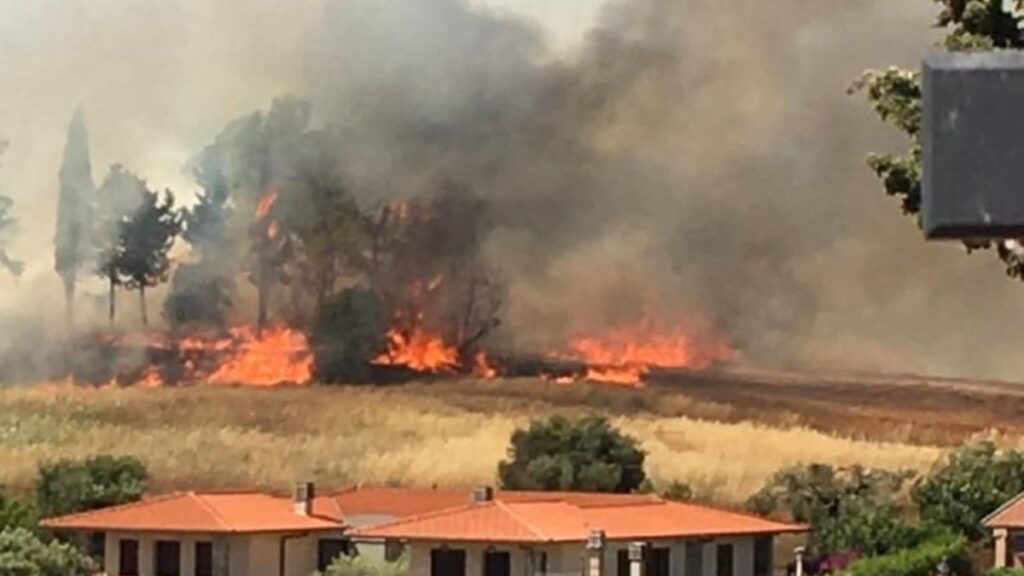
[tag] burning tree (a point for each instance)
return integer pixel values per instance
(74, 210)
(146, 238)
(7, 224)
(426, 268)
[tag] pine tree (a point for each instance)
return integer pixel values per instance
(117, 198)
(146, 238)
(74, 210)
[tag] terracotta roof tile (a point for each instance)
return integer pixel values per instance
(572, 519)
(1009, 515)
(217, 512)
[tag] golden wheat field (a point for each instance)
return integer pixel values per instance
(449, 433)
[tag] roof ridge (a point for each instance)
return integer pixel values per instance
(213, 512)
(519, 518)
(426, 515)
(115, 507)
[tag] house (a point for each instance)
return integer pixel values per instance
(250, 533)
(591, 534)
(1007, 525)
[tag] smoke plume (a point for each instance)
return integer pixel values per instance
(693, 163)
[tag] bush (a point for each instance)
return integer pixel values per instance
(68, 486)
(815, 493)
(350, 330)
(22, 554)
(678, 492)
(361, 566)
(967, 485)
(921, 560)
(16, 512)
(562, 454)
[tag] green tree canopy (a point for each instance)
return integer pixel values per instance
(116, 199)
(67, 486)
(16, 512)
(967, 485)
(146, 238)
(561, 454)
(895, 94)
(349, 332)
(23, 554)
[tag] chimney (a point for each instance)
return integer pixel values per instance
(482, 494)
(302, 498)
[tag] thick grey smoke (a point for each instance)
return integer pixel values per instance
(696, 162)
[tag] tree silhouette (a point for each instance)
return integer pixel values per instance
(74, 210)
(7, 225)
(116, 200)
(146, 238)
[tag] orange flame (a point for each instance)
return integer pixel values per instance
(483, 367)
(266, 203)
(625, 356)
(279, 356)
(418, 350)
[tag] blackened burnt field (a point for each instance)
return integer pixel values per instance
(723, 433)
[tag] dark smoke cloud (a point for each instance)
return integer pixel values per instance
(696, 161)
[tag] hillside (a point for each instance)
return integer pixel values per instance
(721, 433)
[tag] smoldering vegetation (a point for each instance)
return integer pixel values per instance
(695, 165)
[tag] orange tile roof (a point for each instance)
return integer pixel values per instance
(572, 519)
(217, 512)
(1009, 515)
(402, 502)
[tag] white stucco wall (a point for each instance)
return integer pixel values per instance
(248, 555)
(567, 558)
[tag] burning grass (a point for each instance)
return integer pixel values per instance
(230, 437)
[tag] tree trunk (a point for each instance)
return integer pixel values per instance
(110, 311)
(69, 301)
(142, 305)
(263, 293)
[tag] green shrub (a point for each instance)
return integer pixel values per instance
(561, 454)
(361, 566)
(350, 331)
(16, 512)
(920, 560)
(68, 486)
(677, 491)
(967, 485)
(23, 554)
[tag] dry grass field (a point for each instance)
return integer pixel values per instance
(723, 435)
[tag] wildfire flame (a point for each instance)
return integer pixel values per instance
(278, 356)
(419, 350)
(266, 204)
(625, 356)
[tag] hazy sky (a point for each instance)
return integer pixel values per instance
(565, 20)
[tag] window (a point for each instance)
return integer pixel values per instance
(622, 563)
(724, 561)
(128, 558)
(97, 548)
(447, 562)
(167, 556)
(763, 556)
(497, 564)
(657, 561)
(329, 549)
(204, 559)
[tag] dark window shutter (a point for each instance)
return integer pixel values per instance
(204, 559)
(128, 558)
(329, 549)
(168, 558)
